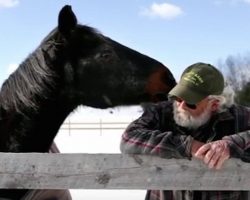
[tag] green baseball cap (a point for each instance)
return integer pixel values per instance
(197, 82)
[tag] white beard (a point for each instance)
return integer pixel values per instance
(185, 119)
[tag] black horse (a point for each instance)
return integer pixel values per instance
(74, 65)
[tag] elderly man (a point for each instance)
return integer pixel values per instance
(200, 121)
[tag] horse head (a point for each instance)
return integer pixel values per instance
(105, 73)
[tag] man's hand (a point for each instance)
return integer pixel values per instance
(214, 154)
(195, 146)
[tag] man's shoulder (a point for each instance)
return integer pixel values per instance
(239, 109)
(235, 111)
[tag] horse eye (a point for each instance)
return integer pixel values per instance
(104, 55)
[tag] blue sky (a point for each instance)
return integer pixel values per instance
(177, 33)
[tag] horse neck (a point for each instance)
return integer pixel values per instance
(30, 124)
(34, 130)
(47, 122)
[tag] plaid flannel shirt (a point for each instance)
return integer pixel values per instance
(156, 133)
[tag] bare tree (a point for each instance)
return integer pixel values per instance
(236, 70)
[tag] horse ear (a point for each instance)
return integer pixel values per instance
(67, 20)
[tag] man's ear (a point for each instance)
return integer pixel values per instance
(215, 105)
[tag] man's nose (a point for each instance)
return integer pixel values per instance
(182, 105)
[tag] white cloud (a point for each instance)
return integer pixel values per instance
(163, 10)
(8, 3)
(11, 67)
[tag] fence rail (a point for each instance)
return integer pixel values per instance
(117, 171)
(94, 125)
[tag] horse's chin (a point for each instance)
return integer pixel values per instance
(161, 96)
(153, 97)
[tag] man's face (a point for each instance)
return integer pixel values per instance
(190, 117)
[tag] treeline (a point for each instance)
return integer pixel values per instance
(236, 70)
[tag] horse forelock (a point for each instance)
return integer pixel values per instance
(32, 79)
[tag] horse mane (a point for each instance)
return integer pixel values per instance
(31, 79)
(34, 77)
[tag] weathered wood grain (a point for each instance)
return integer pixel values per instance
(117, 171)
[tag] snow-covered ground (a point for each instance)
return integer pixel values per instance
(98, 141)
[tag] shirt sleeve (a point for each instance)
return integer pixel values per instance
(239, 142)
(239, 145)
(143, 136)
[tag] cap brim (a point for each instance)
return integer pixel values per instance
(187, 94)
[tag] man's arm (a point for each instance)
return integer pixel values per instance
(237, 145)
(143, 136)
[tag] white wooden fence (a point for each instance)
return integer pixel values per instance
(98, 125)
(94, 126)
(117, 171)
